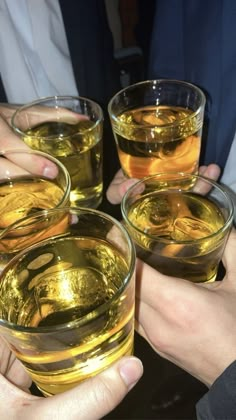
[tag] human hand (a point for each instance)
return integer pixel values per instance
(17, 164)
(38, 114)
(192, 325)
(93, 399)
(8, 139)
(120, 183)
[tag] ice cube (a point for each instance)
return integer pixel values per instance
(187, 228)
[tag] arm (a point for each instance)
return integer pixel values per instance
(220, 401)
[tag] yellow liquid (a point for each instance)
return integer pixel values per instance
(25, 196)
(22, 197)
(59, 283)
(146, 145)
(79, 148)
(176, 218)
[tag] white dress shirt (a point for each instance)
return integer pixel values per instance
(34, 54)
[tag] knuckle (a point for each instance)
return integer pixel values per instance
(105, 394)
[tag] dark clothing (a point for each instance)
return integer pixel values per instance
(96, 72)
(194, 40)
(91, 48)
(220, 401)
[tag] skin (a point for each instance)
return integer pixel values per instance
(178, 318)
(19, 164)
(120, 184)
(94, 398)
(192, 325)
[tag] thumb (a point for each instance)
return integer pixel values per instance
(118, 187)
(211, 171)
(96, 397)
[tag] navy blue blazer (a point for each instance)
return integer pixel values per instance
(195, 40)
(219, 402)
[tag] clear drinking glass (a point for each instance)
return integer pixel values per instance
(25, 189)
(67, 303)
(179, 223)
(157, 125)
(69, 128)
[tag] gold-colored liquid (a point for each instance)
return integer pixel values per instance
(58, 284)
(176, 218)
(79, 148)
(156, 139)
(25, 196)
(22, 197)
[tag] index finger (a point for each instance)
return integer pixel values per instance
(24, 162)
(27, 117)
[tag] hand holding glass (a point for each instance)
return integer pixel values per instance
(67, 303)
(69, 128)
(157, 125)
(179, 223)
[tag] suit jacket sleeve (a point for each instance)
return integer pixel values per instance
(220, 401)
(91, 48)
(193, 41)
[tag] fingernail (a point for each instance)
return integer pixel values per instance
(50, 171)
(131, 370)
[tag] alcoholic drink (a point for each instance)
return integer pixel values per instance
(178, 233)
(154, 139)
(62, 285)
(79, 148)
(25, 196)
(21, 197)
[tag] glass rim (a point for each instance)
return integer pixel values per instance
(220, 188)
(43, 100)
(97, 311)
(114, 118)
(66, 193)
